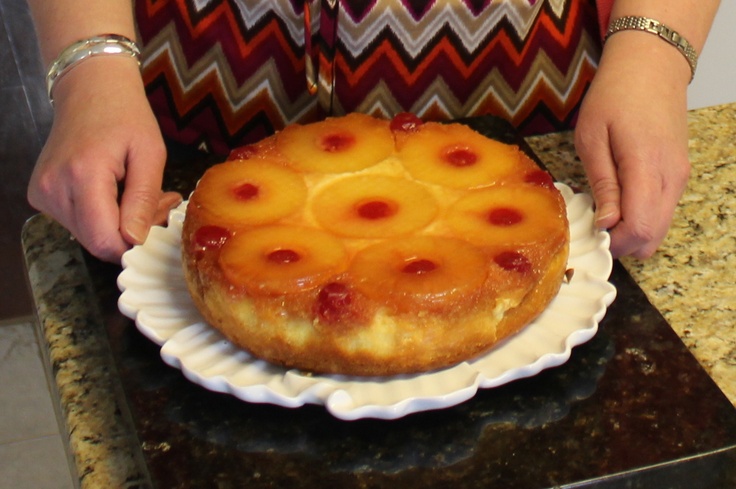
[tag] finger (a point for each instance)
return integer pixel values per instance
(168, 201)
(607, 196)
(96, 218)
(664, 202)
(87, 210)
(645, 211)
(603, 179)
(141, 197)
(624, 243)
(627, 240)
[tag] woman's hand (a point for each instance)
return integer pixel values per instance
(104, 137)
(633, 141)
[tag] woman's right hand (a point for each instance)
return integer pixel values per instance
(104, 138)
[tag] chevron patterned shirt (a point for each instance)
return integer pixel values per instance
(221, 74)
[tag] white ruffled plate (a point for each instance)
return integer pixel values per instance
(154, 294)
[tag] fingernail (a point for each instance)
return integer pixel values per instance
(137, 229)
(602, 217)
(604, 212)
(174, 200)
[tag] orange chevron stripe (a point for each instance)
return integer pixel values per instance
(186, 102)
(154, 7)
(545, 21)
(223, 10)
(196, 31)
(543, 93)
(445, 47)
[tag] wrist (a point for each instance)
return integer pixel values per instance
(108, 77)
(633, 55)
(651, 26)
(103, 45)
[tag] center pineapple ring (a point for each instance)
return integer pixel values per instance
(374, 206)
(362, 246)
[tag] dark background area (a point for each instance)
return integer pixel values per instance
(25, 119)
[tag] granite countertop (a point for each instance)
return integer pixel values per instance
(88, 343)
(691, 279)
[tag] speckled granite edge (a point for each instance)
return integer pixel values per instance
(101, 438)
(691, 279)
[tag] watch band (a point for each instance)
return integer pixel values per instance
(655, 27)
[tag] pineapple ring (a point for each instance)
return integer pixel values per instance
(281, 259)
(452, 156)
(508, 215)
(351, 143)
(374, 206)
(254, 192)
(419, 272)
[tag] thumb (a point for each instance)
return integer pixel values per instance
(607, 196)
(602, 174)
(140, 199)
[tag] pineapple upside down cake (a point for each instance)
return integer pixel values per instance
(370, 247)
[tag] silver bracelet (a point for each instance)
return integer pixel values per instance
(104, 44)
(655, 27)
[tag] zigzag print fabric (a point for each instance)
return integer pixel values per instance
(221, 73)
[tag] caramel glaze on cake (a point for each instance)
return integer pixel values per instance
(369, 247)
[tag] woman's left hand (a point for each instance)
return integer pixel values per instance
(632, 138)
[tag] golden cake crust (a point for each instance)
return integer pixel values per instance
(431, 245)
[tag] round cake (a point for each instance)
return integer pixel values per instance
(369, 247)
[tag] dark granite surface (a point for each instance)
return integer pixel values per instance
(631, 409)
